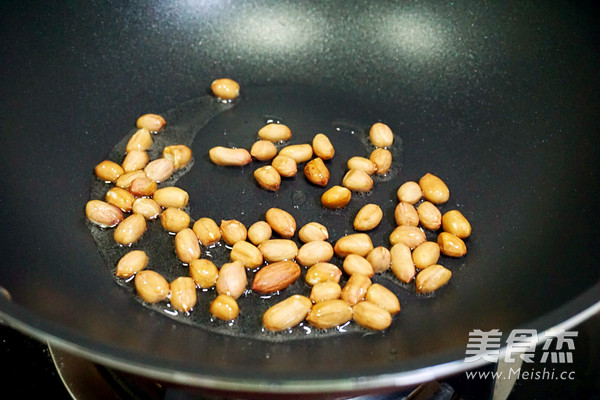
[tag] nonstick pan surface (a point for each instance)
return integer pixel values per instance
(499, 100)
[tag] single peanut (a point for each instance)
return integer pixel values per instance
(322, 147)
(281, 222)
(204, 273)
(426, 254)
(152, 122)
(278, 249)
(268, 178)
(314, 252)
(368, 217)
(179, 154)
(135, 160)
(402, 262)
(187, 246)
(383, 297)
(183, 294)
(207, 231)
(363, 164)
(432, 278)
(259, 232)
(323, 272)
(313, 231)
(371, 316)
(327, 290)
(316, 172)
(225, 308)
(229, 157)
(130, 263)
(355, 289)
(174, 220)
(275, 277)
(285, 165)
(409, 192)
(406, 214)
(130, 229)
(124, 180)
(355, 243)
(140, 140)
(232, 279)
(143, 187)
(225, 89)
(159, 170)
(233, 231)
(336, 197)
(275, 132)
(151, 286)
(380, 258)
(381, 135)
(454, 222)
(358, 181)
(299, 152)
(355, 264)
(146, 207)
(329, 313)
(171, 196)
(121, 198)
(263, 150)
(411, 236)
(451, 245)
(382, 158)
(287, 313)
(247, 253)
(429, 216)
(434, 189)
(108, 171)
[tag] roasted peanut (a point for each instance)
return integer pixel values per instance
(247, 253)
(299, 152)
(207, 231)
(121, 198)
(174, 220)
(108, 171)
(371, 316)
(225, 308)
(229, 157)
(143, 186)
(124, 181)
(263, 150)
(316, 172)
(179, 154)
(355, 243)
(275, 277)
(259, 232)
(183, 294)
(204, 273)
(285, 165)
(135, 160)
(406, 214)
(146, 207)
(451, 245)
(159, 170)
(358, 181)
(336, 197)
(187, 246)
(434, 189)
(426, 254)
(323, 272)
(432, 278)
(327, 290)
(140, 140)
(368, 217)
(363, 164)
(287, 313)
(313, 231)
(429, 216)
(278, 249)
(171, 196)
(275, 132)
(268, 178)
(454, 222)
(355, 289)
(381, 135)
(329, 313)
(130, 263)
(152, 122)
(151, 286)
(233, 231)
(383, 297)
(322, 147)
(382, 158)
(411, 236)
(130, 230)
(232, 279)
(380, 258)
(402, 262)
(281, 222)
(355, 264)
(314, 252)
(409, 192)
(225, 89)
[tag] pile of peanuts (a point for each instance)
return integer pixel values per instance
(266, 248)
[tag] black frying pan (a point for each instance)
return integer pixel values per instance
(499, 100)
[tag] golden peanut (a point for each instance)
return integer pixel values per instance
(323, 291)
(329, 313)
(151, 286)
(371, 316)
(451, 245)
(159, 170)
(263, 150)
(298, 152)
(281, 222)
(429, 216)
(314, 252)
(121, 198)
(275, 277)
(275, 132)
(406, 214)
(130, 263)
(207, 231)
(358, 181)
(355, 243)
(336, 197)
(259, 232)
(434, 189)
(322, 147)
(130, 229)
(323, 272)
(140, 140)
(229, 157)
(146, 207)
(409, 192)
(124, 181)
(382, 158)
(179, 154)
(411, 236)
(225, 308)
(316, 172)
(232, 279)
(268, 178)
(355, 264)
(368, 217)
(363, 164)
(171, 196)
(380, 258)
(287, 313)
(278, 249)
(143, 187)
(426, 254)
(432, 278)
(313, 231)
(183, 294)
(233, 231)
(383, 297)
(381, 135)
(285, 165)
(135, 160)
(454, 222)
(402, 262)
(247, 253)
(187, 246)
(225, 89)
(204, 273)
(174, 220)
(108, 171)
(152, 122)
(355, 289)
